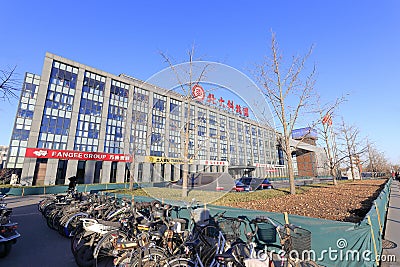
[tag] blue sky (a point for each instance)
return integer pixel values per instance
(357, 45)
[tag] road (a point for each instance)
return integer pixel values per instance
(38, 245)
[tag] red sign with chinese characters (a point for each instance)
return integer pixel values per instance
(74, 155)
(199, 95)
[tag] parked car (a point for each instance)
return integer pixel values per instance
(265, 184)
(246, 184)
(241, 187)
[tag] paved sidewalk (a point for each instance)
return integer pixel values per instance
(392, 232)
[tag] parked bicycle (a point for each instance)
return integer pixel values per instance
(106, 231)
(8, 229)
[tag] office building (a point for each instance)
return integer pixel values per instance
(75, 120)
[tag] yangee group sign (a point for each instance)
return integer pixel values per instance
(74, 155)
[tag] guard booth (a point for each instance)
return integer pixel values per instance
(241, 171)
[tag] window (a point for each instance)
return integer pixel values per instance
(212, 118)
(213, 132)
(158, 122)
(159, 102)
(174, 142)
(97, 171)
(162, 171)
(80, 172)
(155, 138)
(140, 171)
(118, 104)
(172, 177)
(63, 75)
(89, 119)
(57, 112)
(151, 172)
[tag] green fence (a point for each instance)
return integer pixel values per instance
(56, 189)
(333, 243)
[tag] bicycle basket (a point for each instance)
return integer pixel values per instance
(230, 228)
(296, 239)
(266, 233)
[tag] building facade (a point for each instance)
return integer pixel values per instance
(3, 156)
(75, 120)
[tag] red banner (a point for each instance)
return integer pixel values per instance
(74, 155)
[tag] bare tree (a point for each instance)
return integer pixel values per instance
(328, 136)
(186, 85)
(376, 162)
(137, 118)
(289, 91)
(5, 175)
(353, 146)
(8, 84)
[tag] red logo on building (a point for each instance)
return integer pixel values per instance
(198, 93)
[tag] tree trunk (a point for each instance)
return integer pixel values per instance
(331, 163)
(352, 168)
(334, 175)
(186, 157)
(291, 176)
(132, 173)
(290, 167)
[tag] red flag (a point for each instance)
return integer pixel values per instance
(326, 119)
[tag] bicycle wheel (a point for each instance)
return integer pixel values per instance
(84, 256)
(70, 227)
(240, 251)
(180, 262)
(123, 260)
(44, 203)
(78, 240)
(104, 249)
(62, 222)
(50, 218)
(150, 257)
(209, 235)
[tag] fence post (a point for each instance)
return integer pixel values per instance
(373, 240)
(379, 218)
(285, 214)
(23, 192)
(44, 190)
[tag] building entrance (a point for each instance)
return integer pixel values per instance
(40, 172)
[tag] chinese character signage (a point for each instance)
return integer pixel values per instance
(154, 159)
(74, 155)
(213, 162)
(199, 94)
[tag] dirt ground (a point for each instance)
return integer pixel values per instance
(347, 202)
